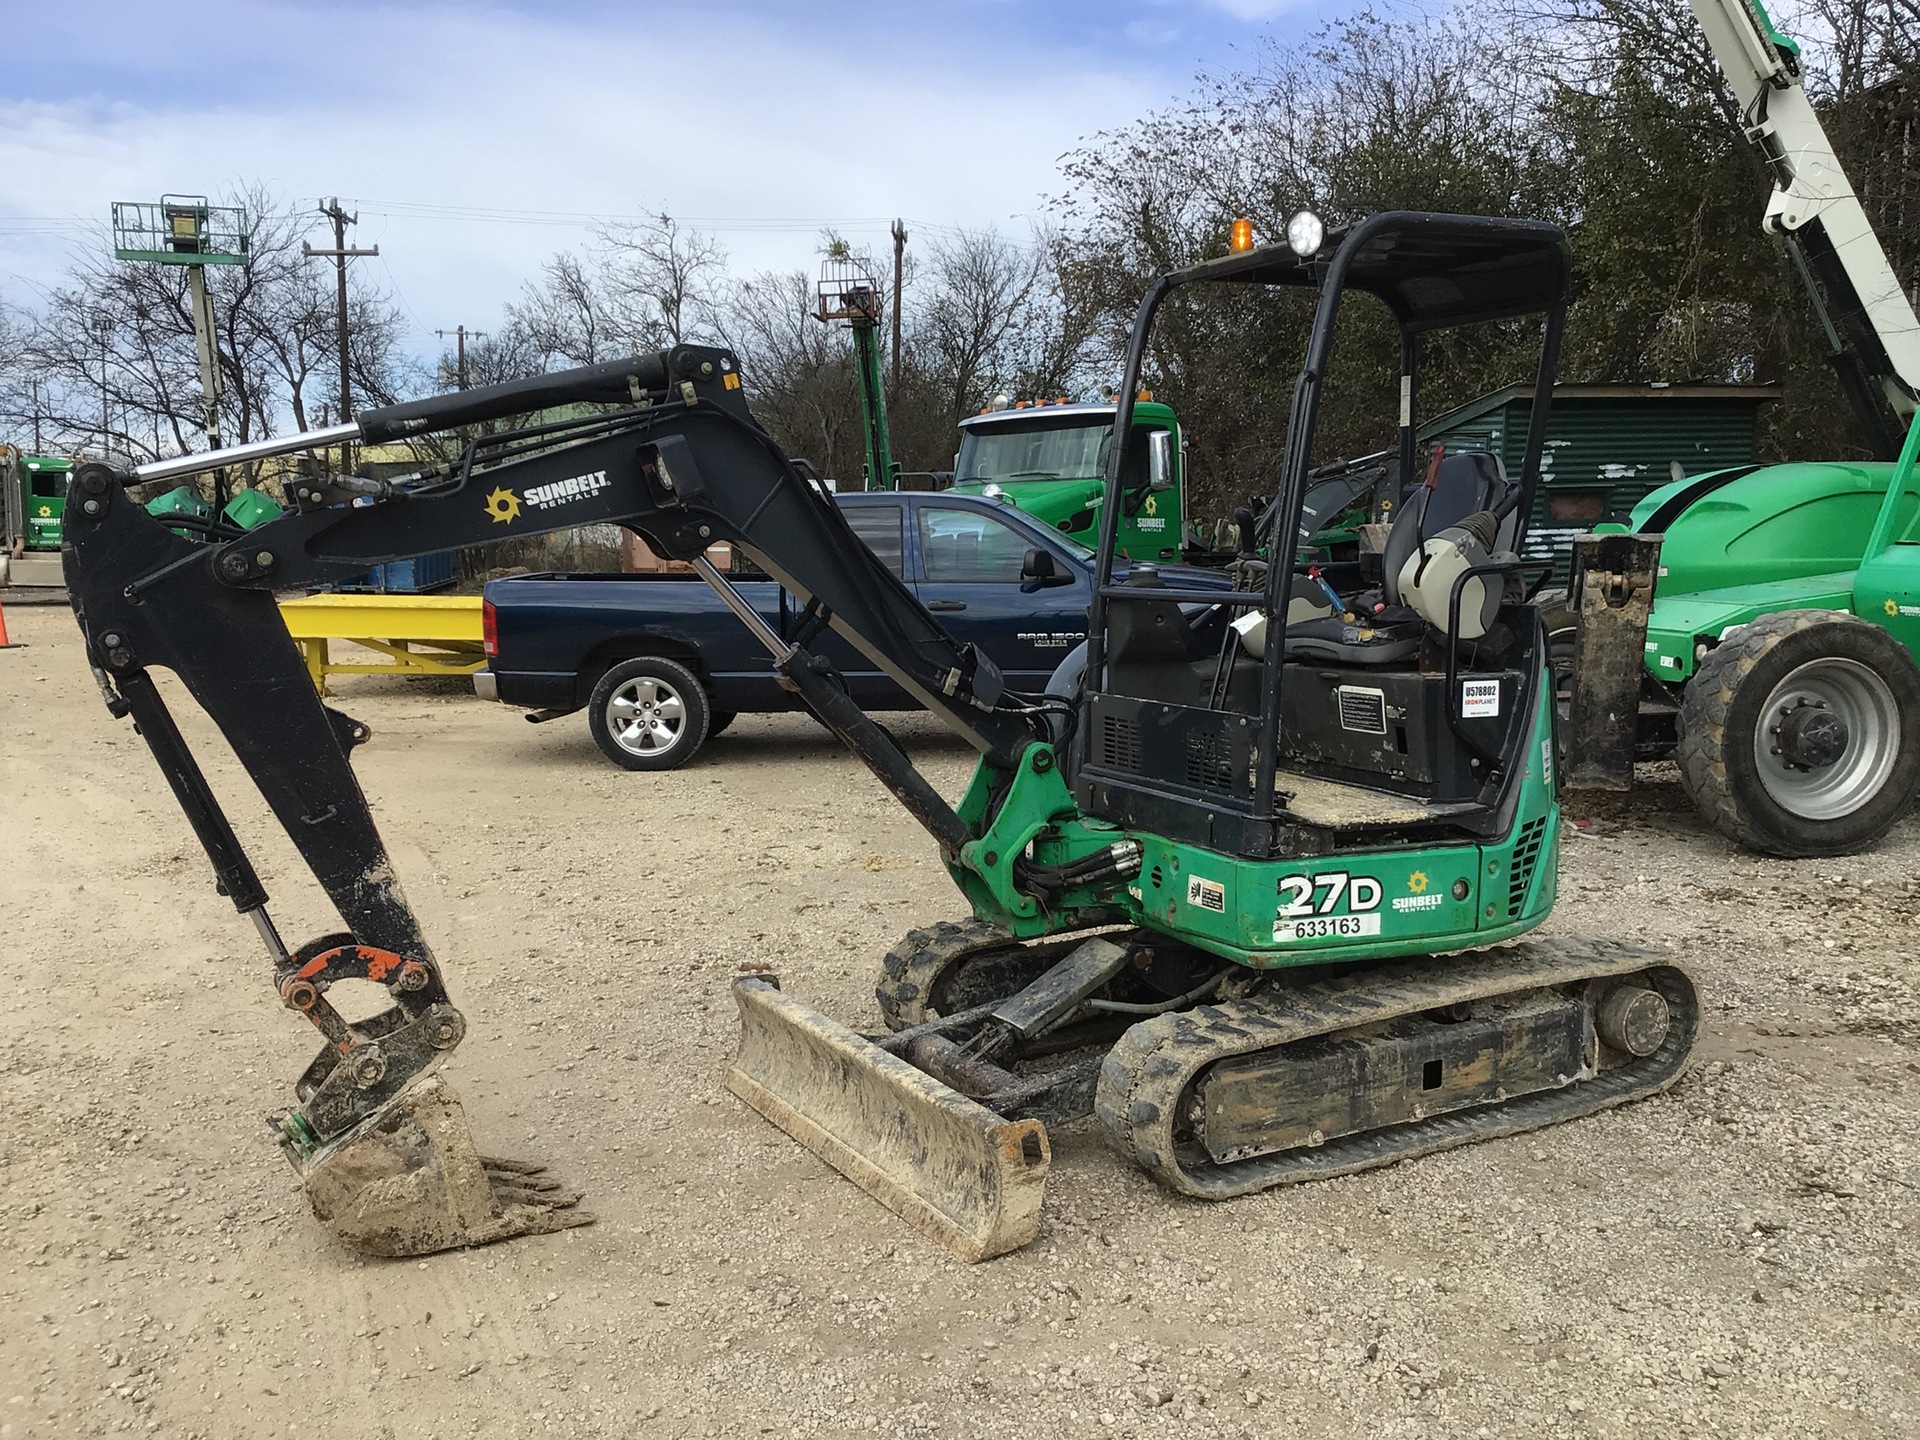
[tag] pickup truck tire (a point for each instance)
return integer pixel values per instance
(1800, 734)
(649, 714)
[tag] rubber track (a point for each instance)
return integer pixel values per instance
(911, 968)
(1146, 1077)
(1702, 751)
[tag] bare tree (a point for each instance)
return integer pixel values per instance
(564, 318)
(984, 292)
(663, 279)
(639, 287)
(800, 373)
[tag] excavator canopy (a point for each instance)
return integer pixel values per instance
(1431, 271)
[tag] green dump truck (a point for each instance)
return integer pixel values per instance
(1050, 460)
(33, 497)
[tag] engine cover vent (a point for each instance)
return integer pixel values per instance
(1209, 762)
(1120, 744)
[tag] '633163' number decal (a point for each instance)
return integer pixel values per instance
(1330, 905)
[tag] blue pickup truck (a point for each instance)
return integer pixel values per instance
(660, 665)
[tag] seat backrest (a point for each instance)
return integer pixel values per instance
(1149, 647)
(1468, 481)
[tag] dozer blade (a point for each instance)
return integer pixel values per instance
(408, 1180)
(946, 1165)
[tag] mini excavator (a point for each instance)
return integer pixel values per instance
(1247, 890)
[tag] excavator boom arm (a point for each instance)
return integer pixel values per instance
(679, 461)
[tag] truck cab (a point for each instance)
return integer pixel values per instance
(44, 496)
(1050, 460)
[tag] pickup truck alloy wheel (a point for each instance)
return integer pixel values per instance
(1800, 734)
(649, 714)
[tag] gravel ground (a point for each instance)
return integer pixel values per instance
(1735, 1258)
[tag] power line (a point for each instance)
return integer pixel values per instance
(422, 210)
(30, 225)
(43, 225)
(719, 224)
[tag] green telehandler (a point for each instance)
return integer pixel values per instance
(1760, 625)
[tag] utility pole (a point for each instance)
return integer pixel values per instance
(460, 334)
(103, 332)
(207, 349)
(340, 254)
(899, 268)
(36, 416)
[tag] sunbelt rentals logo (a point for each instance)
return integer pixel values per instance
(560, 492)
(504, 506)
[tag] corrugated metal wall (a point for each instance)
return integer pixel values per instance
(1605, 453)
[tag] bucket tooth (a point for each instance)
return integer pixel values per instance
(409, 1180)
(945, 1164)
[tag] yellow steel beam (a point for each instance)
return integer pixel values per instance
(411, 617)
(448, 625)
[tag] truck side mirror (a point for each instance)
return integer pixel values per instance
(1039, 570)
(1160, 460)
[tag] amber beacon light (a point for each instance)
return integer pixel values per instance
(1240, 237)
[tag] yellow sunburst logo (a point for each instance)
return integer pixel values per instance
(1417, 882)
(1892, 608)
(1152, 507)
(503, 505)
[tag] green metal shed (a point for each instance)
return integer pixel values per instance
(1607, 446)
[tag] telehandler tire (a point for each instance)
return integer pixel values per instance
(1800, 734)
(649, 714)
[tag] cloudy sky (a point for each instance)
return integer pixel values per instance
(475, 139)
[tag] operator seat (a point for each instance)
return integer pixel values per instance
(1467, 481)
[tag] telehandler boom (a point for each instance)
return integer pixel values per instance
(1221, 875)
(1863, 311)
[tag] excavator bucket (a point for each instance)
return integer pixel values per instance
(409, 1180)
(948, 1166)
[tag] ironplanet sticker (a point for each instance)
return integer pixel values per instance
(560, 492)
(1479, 699)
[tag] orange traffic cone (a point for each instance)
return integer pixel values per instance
(6, 644)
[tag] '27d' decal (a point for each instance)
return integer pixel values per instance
(1308, 906)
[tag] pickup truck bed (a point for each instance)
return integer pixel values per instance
(660, 664)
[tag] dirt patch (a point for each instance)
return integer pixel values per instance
(1735, 1258)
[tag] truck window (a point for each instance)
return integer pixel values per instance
(970, 545)
(1071, 451)
(879, 529)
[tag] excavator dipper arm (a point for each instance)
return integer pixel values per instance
(681, 462)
